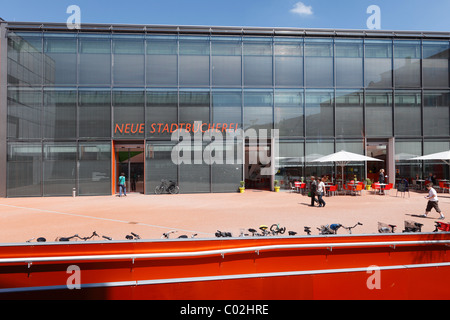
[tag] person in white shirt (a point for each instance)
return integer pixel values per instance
(433, 201)
(321, 192)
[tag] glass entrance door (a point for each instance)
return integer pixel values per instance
(376, 150)
(130, 161)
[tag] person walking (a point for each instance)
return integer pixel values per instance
(433, 202)
(313, 190)
(321, 192)
(122, 185)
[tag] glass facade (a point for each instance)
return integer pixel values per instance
(72, 95)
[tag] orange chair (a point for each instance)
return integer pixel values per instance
(376, 187)
(388, 187)
(443, 186)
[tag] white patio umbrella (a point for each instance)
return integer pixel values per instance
(342, 158)
(443, 156)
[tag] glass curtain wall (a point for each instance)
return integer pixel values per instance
(322, 94)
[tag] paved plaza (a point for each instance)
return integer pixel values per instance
(150, 216)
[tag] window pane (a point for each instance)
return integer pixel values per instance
(61, 60)
(319, 63)
(194, 106)
(349, 63)
(290, 163)
(378, 63)
(379, 114)
(319, 111)
(94, 168)
(258, 110)
(226, 63)
(436, 113)
(408, 105)
(60, 114)
(194, 61)
(226, 176)
(436, 64)
(195, 177)
(59, 168)
(315, 150)
(162, 61)
(349, 113)
(227, 108)
(128, 114)
(257, 63)
(24, 169)
(94, 113)
(25, 66)
(404, 150)
(407, 64)
(95, 54)
(288, 63)
(159, 165)
(24, 114)
(289, 113)
(128, 61)
(161, 113)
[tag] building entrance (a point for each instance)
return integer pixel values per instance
(129, 159)
(258, 160)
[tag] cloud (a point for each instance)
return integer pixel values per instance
(301, 9)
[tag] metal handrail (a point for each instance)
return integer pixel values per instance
(221, 252)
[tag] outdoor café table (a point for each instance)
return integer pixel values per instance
(382, 185)
(421, 183)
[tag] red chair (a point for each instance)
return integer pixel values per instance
(333, 190)
(375, 187)
(388, 187)
(302, 187)
(443, 186)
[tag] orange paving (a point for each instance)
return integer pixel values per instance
(150, 215)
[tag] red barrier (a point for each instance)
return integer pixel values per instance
(388, 266)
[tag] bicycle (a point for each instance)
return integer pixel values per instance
(329, 228)
(412, 226)
(441, 226)
(132, 236)
(40, 239)
(276, 230)
(349, 229)
(76, 236)
(223, 234)
(168, 186)
(386, 228)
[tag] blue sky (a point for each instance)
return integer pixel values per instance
(395, 14)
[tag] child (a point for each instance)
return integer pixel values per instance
(432, 201)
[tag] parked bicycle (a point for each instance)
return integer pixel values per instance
(412, 226)
(132, 236)
(349, 229)
(167, 186)
(386, 228)
(329, 228)
(441, 226)
(76, 236)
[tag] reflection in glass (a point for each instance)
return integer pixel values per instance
(288, 57)
(378, 113)
(436, 56)
(162, 61)
(24, 165)
(349, 113)
(319, 110)
(60, 114)
(378, 63)
(128, 113)
(407, 56)
(128, 67)
(194, 61)
(258, 62)
(349, 63)
(59, 168)
(159, 165)
(161, 110)
(288, 113)
(94, 169)
(436, 113)
(94, 113)
(61, 59)
(319, 63)
(24, 113)
(226, 61)
(258, 110)
(94, 54)
(408, 106)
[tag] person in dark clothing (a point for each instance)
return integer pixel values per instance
(313, 189)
